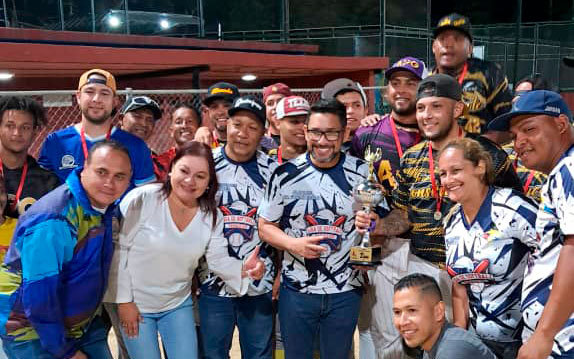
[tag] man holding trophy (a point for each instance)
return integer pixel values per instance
(307, 211)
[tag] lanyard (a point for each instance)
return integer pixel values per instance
(279, 156)
(20, 185)
(83, 137)
(529, 179)
(435, 191)
(463, 74)
(396, 137)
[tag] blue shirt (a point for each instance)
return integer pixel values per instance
(62, 152)
(56, 270)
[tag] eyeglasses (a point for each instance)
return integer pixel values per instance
(315, 135)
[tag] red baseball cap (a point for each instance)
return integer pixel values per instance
(278, 88)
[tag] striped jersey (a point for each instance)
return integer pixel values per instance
(309, 201)
(531, 180)
(415, 196)
(381, 136)
(241, 188)
(56, 270)
(555, 221)
(485, 93)
(489, 257)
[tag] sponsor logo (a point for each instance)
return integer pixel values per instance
(68, 162)
(552, 109)
(218, 90)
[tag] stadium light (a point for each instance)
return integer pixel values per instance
(114, 21)
(164, 24)
(5, 76)
(248, 77)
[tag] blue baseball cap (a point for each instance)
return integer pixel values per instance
(538, 102)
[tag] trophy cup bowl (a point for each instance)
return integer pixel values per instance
(368, 194)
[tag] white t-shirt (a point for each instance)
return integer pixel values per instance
(309, 201)
(555, 221)
(154, 261)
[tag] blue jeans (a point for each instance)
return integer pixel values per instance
(253, 316)
(176, 328)
(94, 343)
(333, 315)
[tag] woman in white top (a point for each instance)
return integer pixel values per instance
(165, 230)
(489, 237)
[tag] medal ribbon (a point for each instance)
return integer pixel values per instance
(83, 137)
(279, 155)
(20, 185)
(435, 190)
(463, 74)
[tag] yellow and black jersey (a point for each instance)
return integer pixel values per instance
(532, 181)
(414, 194)
(486, 94)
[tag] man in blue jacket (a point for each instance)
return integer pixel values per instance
(56, 269)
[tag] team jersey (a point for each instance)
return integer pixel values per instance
(489, 256)
(486, 94)
(6, 233)
(56, 270)
(37, 183)
(414, 195)
(308, 201)
(62, 152)
(381, 136)
(532, 181)
(241, 188)
(555, 221)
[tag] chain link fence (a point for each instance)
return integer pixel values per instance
(62, 110)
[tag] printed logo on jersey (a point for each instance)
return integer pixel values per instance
(475, 273)
(238, 225)
(325, 224)
(67, 162)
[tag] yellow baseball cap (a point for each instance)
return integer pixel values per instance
(108, 80)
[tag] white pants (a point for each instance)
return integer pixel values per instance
(398, 262)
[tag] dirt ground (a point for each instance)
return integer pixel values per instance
(235, 351)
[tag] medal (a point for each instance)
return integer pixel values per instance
(437, 216)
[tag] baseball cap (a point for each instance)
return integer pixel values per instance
(537, 102)
(251, 104)
(342, 85)
(278, 88)
(439, 85)
(292, 106)
(411, 64)
(454, 21)
(221, 90)
(135, 103)
(87, 78)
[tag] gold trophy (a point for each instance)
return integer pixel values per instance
(369, 194)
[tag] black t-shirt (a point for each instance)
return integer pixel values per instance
(38, 182)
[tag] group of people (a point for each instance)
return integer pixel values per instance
(253, 206)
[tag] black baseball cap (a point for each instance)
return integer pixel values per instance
(250, 104)
(439, 85)
(221, 90)
(454, 21)
(138, 102)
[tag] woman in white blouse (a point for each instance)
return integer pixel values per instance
(166, 228)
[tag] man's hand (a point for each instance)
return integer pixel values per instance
(370, 120)
(363, 221)
(537, 346)
(254, 267)
(307, 247)
(203, 135)
(129, 318)
(79, 355)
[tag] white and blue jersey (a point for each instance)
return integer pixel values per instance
(489, 256)
(62, 152)
(555, 221)
(305, 200)
(241, 189)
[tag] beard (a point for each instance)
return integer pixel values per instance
(409, 110)
(442, 133)
(97, 120)
(323, 160)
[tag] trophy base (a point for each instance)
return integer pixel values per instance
(365, 256)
